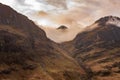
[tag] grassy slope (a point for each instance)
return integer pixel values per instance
(98, 49)
(48, 63)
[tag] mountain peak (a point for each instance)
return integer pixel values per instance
(109, 20)
(6, 10)
(62, 27)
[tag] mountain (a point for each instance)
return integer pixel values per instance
(27, 54)
(62, 33)
(98, 46)
(62, 27)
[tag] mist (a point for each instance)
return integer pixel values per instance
(51, 14)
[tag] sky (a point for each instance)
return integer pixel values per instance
(72, 13)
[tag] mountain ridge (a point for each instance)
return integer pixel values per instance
(27, 54)
(98, 48)
(105, 19)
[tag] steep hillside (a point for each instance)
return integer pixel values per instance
(99, 48)
(27, 54)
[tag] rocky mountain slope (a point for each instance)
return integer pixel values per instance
(27, 54)
(98, 46)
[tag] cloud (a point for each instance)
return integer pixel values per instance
(82, 11)
(94, 9)
(71, 13)
(57, 3)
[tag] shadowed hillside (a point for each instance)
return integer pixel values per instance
(27, 54)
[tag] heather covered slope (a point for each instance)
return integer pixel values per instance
(99, 48)
(27, 54)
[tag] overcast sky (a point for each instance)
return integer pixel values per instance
(75, 14)
(56, 12)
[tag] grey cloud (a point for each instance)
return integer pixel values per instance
(56, 3)
(21, 1)
(94, 9)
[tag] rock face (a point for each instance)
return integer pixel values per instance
(27, 54)
(99, 48)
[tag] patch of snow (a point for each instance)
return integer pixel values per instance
(114, 21)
